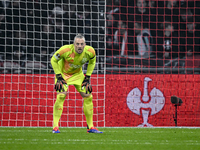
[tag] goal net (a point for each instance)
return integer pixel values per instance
(30, 32)
(152, 53)
(153, 36)
(148, 51)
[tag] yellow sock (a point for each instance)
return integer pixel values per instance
(58, 109)
(88, 110)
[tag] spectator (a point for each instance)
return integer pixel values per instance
(16, 13)
(33, 16)
(119, 6)
(61, 33)
(56, 19)
(1, 6)
(87, 16)
(45, 6)
(4, 3)
(172, 7)
(112, 21)
(48, 42)
(169, 11)
(154, 15)
(153, 6)
(120, 40)
(192, 38)
(138, 13)
(168, 43)
(70, 20)
(142, 41)
(65, 20)
(185, 15)
(193, 6)
(70, 9)
(56, 13)
(87, 25)
(2, 33)
(193, 46)
(159, 10)
(16, 52)
(142, 12)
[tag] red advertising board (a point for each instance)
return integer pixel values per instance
(130, 101)
(145, 100)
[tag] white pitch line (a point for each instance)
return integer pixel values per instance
(100, 143)
(193, 130)
(93, 141)
(154, 127)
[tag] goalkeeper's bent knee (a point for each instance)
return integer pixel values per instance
(61, 96)
(88, 99)
(59, 101)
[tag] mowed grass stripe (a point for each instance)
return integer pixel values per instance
(83, 141)
(112, 138)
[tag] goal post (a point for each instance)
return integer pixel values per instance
(31, 31)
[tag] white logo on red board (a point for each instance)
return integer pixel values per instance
(146, 104)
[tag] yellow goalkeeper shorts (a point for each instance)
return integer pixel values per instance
(77, 84)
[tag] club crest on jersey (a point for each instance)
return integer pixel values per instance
(75, 66)
(57, 56)
(143, 104)
(84, 60)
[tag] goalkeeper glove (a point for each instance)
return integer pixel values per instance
(86, 83)
(59, 84)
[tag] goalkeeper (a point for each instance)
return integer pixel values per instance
(67, 64)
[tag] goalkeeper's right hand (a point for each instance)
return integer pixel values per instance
(59, 84)
(86, 83)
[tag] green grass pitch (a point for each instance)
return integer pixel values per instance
(22, 138)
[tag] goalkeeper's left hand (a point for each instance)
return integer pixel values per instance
(86, 83)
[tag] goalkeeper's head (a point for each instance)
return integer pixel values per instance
(79, 43)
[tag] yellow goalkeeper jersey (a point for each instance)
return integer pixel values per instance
(68, 62)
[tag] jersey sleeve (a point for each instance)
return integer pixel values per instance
(59, 55)
(92, 61)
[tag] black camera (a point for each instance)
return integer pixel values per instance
(176, 100)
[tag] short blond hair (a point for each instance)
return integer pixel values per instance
(79, 36)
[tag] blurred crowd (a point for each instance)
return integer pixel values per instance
(161, 29)
(32, 30)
